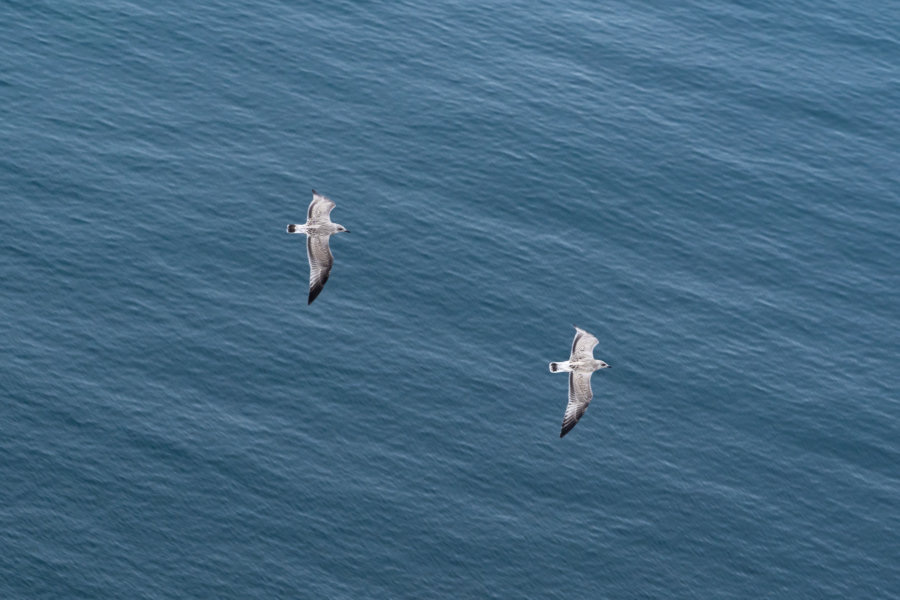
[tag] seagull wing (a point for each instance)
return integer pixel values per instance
(319, 209)
(583, 345)
(580, 395)
(320, 262)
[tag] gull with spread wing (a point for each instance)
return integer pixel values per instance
(580, 366)
(318, 229)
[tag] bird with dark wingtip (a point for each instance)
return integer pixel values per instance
(318, 229)
(580, 366)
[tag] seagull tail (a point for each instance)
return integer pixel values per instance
(295, 228)
(554, 367)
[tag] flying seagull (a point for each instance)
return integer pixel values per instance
(318, 229)
(580, 366)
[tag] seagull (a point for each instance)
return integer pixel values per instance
(580, 366)
(318, 229)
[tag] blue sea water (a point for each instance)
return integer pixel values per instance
(711, 188)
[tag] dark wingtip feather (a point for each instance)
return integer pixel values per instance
(314, 293)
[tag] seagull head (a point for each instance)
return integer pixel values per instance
(342, 229)
(603, 365)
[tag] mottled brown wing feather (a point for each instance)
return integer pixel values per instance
(583, 345)
(320, 263)
(319, 209)
(580, 396)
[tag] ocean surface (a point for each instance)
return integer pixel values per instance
(711, 188)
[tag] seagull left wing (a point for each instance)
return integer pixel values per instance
(319, 209)
(320, 263)
(583, 345)
(580, 396)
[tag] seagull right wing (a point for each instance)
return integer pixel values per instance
(583, 345)
(319, 209)
(320, 263)
(580, 395)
